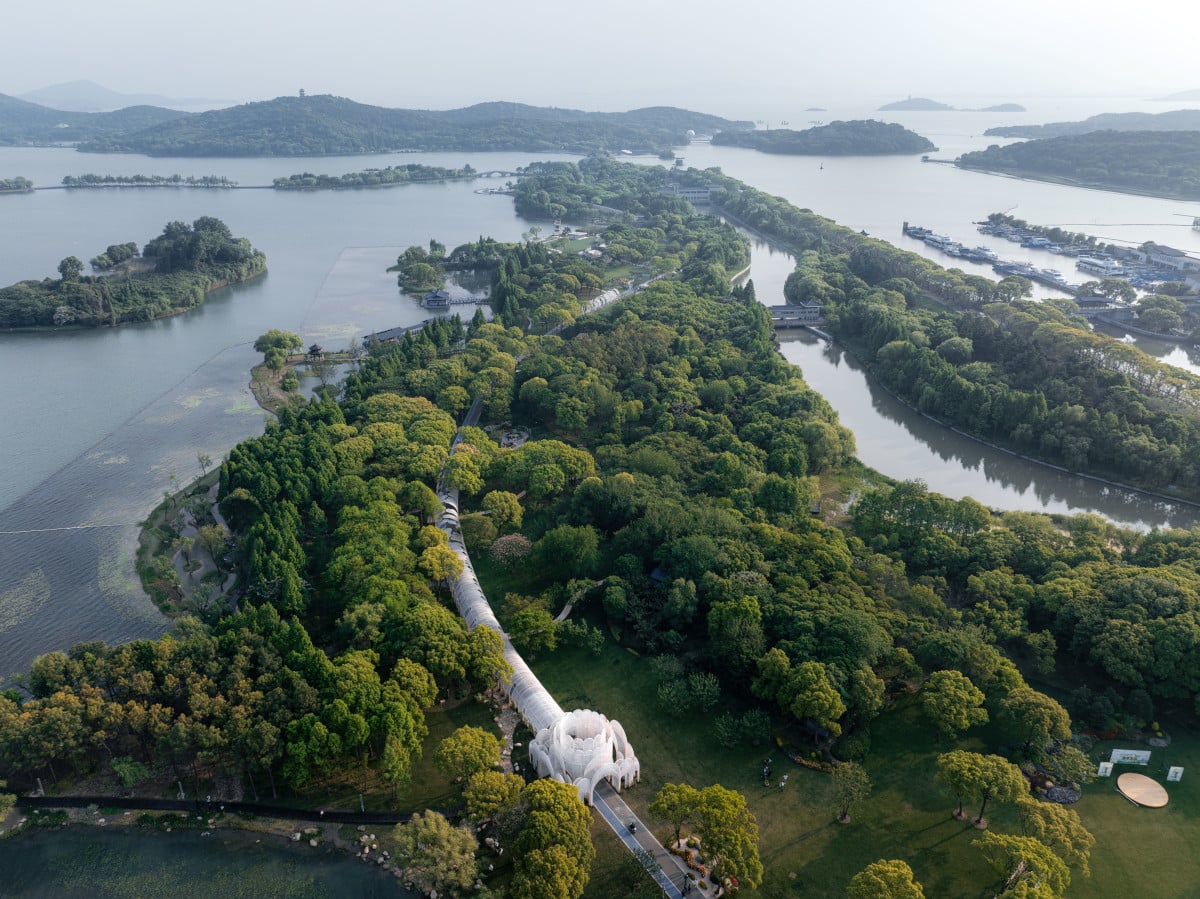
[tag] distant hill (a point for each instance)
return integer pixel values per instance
(915, 104)
(857, 138)
(88, 96)
(1182, 96)
(1176, 120)
(327, 125)
(1158, 163)
(28, 124)
(923, 104)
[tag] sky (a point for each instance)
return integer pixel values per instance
(730, 58)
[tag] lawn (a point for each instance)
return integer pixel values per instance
(1139, 852)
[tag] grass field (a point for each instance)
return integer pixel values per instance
(1139, 852)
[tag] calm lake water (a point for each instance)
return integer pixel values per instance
(118, 863)
(97, 424)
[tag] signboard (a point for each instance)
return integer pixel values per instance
(1130, 757)
(1175, 774)
(1105, 769)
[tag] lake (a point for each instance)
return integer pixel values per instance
(98, 424)
(130, 863)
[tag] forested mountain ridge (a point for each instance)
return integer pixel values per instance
(1176, 120)
(28, 124)
(324, 125)
(856, 138)
(1159, 163)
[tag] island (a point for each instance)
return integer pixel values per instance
(16, 185)
(854, 138)
(923, 104)
(391, 176)
(1156, 163)
(194, 181)
(1176, 120)
(175, 272)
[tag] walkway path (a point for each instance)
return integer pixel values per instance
(669, 871)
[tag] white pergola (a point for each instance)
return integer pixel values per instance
(582, 748)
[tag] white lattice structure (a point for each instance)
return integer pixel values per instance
(580, 747)
(583, 748)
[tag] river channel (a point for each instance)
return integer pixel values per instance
(97, 424)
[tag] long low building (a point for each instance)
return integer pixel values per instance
(581, 747)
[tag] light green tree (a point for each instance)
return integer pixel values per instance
(952, 702)
(488, 793)
(970, 775)
(851, 785)
(437, 855)
(1029, 868)
(1060, 828)
(885, 879)
(466, 751)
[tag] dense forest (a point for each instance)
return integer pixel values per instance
(180, 267)
(1176, 120)
(385, 177)
(327, 125)
(668, 493)
(1159, 163)
(858, 138)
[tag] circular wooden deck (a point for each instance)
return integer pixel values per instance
(1141, 790)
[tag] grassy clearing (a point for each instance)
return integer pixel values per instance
(1139, 852)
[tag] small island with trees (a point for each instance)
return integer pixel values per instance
(924, 104)
(174, 273)
(195, 181)
(16, 185)
(856, 138)
(391, 176)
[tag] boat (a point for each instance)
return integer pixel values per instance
(1096, 265)
(984, 254)
(1196, 223)
(941, 241)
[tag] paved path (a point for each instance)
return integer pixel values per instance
(671, 872)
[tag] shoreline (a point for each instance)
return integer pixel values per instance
(980, 440)
(174, 311)
(1083, 185)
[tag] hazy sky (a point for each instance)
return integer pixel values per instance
(732, 57)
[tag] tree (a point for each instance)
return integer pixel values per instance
(552, 855)
(488, 793)
(885, 879)
(504, 507)
(851, 785)
(970, 775)
(70, 268)
(467, 751)
(533, 630)
(438, 855)
(7, 800)
(677, 803)
(730, 831)
(1059, 828)
(278, 340)
(1034, 718)
(952, 702)
(810, 694)
(1029, 867)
